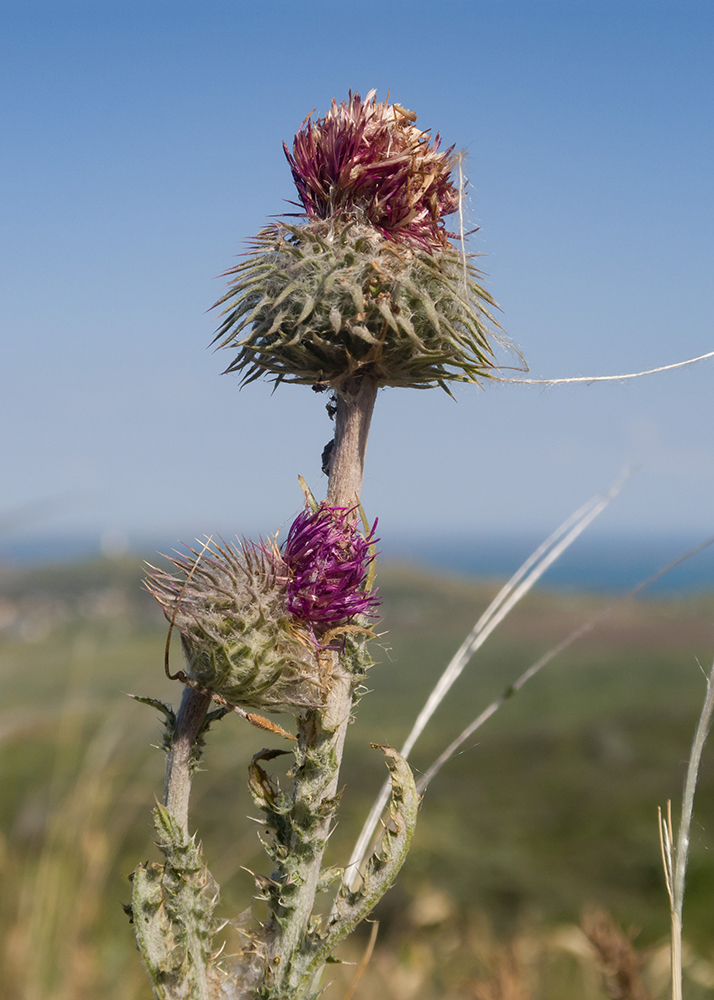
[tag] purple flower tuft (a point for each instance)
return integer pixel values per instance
(366, 159)
(328, 559)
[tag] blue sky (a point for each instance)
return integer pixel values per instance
(141, 145)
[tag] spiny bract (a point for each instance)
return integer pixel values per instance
(321, 302)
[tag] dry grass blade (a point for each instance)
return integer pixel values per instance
(507, 980)
(48, 948)
(620, 963)
(666, 843)
(514, 590)
(364, 962)
(545, 659)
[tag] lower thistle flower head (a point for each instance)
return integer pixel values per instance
(369, 283)
(251, 618)
(328, 561)
(239, 637)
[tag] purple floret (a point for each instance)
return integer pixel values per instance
(367, 159)
(328, 559)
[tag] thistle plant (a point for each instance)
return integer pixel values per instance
(364, 290)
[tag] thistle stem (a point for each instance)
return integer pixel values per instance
(321, 732)
(177, 783)
(354, 415)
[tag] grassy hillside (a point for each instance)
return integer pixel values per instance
(552, 808)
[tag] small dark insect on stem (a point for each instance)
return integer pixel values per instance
(326, 459)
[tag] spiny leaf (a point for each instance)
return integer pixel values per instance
(172, 908)
(380, 872)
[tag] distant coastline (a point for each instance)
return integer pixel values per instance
(595, 563)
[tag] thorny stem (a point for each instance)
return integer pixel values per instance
(177, 784)
(321, 732)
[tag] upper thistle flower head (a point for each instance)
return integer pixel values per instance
(328, 561)
(366, 159)
(368, 283)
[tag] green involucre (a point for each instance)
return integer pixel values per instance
(320, 302)
(238, 638)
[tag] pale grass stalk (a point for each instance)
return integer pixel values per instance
(606, 378)
(510, 594)
(531, 672)
(674, 857)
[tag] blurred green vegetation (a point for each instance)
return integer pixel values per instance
(551, 809)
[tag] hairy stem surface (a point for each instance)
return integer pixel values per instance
(177, 783)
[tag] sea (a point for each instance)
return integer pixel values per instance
(611, 563)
